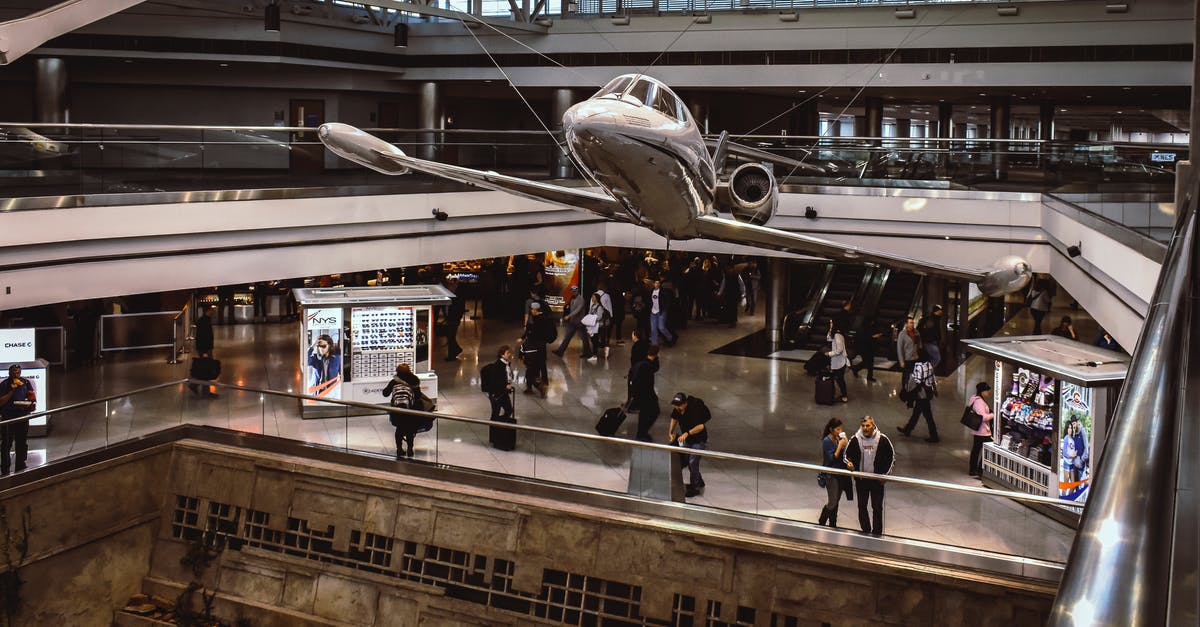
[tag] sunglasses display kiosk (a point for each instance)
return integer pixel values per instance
(352, 339)
(1052, 398)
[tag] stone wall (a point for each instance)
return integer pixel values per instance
(316, 543)
(90, 539)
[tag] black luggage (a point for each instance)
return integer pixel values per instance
(815, 364)
(205, 368)
(610, 421)
(824, 393)
(501, 438)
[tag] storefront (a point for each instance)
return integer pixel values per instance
(378, 328)
(1053, 398)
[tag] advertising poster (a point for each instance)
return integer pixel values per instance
(323, 353)
(562, 272)
(1027, 416)
(16, 345)
(1075, 437)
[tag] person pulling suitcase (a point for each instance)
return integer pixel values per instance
(496, 380)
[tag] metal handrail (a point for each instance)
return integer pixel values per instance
(1119, 569)
(466, 131)
(736, 457)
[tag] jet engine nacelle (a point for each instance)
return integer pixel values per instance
(751, 195)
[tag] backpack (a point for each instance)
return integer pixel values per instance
(402, 395)
(487, 374)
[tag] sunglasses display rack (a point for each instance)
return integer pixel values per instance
(381, 339)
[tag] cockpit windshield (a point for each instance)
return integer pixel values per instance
(615, 86)
(646, 92)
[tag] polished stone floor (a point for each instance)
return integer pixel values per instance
(761, 407)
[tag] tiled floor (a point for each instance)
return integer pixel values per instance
(761, 407)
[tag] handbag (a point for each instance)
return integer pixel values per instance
(971, 419)
(822, 479)
(588, 320)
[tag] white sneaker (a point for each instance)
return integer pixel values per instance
(593, 358)
(606, 352)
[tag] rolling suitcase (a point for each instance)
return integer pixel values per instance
(610, 421)
(501, 438)
(824, 393)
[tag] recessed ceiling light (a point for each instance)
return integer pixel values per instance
(982, 94)
(224, 65)
(1126, 88)
(1120, 112)
(1088, 96)
(804, 91)
(129, 60)
(1062, 110)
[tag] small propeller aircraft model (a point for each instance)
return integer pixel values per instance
(637, 140)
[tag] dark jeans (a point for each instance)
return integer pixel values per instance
(572, 329)
(868, 362)
(16, 433)
(975, 466)
(403, 435)
(535, 368)
(870, 489)
(839, 377)
(696, 480)
(922, 406)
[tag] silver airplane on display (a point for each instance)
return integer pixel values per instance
(637, 140)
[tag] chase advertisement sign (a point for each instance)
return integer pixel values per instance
(16, 345)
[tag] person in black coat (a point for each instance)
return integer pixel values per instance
(203, 365)
(642, 394)
(454, 315)
(639, 349)
(204, 331)
(538, 333)
(406, 425)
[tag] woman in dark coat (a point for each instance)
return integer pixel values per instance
(406, 425)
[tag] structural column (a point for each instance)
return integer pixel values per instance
(1045, 128)
(806, 120)
(429, 116)
(874, 117)
(944, 131)
(699, 111)
(50, 90)
(776, 299)
(560, 163)
(1000, 123)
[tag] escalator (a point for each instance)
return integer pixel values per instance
(896, 301)
(845, 282)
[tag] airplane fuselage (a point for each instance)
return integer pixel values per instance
(649, 155)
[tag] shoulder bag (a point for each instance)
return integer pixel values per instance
(970, 418)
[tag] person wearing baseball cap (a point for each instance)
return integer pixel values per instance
(689, 429)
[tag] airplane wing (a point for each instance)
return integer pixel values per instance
(754, 154)
(727, 230)
(370, 151)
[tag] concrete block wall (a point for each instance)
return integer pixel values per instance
(323, 544)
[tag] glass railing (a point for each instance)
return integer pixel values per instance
(617, 7)
(40, 160)
(932, 512)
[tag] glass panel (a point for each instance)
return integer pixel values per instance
(640, 91)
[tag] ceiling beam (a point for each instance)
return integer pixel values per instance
(421, 9)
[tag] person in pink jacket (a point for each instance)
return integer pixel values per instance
(982, 404)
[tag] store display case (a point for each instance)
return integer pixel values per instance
(352, 339)
(1052, 398)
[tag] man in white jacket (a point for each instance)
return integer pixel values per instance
(870, 451)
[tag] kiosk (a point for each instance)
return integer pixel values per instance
(352, 339)
(1053, 398)
(17, 347)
